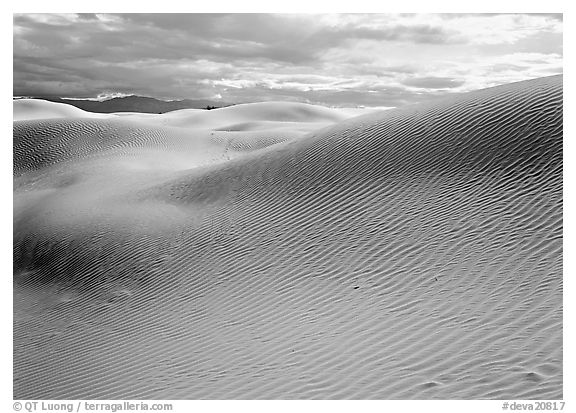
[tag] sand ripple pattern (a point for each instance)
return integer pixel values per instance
(409, 254)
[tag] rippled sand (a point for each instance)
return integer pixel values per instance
(287, 251)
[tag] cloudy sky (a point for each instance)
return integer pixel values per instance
(335, 60)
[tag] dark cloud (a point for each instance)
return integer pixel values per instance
(389, 96)
(188, 56)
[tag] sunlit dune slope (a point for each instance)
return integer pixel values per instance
(408, 254)
(254, 116)
(292, 116)
(28, 109)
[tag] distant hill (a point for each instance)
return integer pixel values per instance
(137, 104)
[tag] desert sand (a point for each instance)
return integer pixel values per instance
(28, 109)
(289, 251)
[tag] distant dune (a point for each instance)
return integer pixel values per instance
(28, 109)
(292, 116)
(287, 251)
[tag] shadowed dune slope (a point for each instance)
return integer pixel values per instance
(408, 254)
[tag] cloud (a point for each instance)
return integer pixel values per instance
(433, 82)
(367, 59)
(88, 16)
(418, 33)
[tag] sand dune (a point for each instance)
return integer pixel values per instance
(298, 117)
(407, 254)
(28, 109)
(291, 116)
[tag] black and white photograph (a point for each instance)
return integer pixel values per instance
(287, 206)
